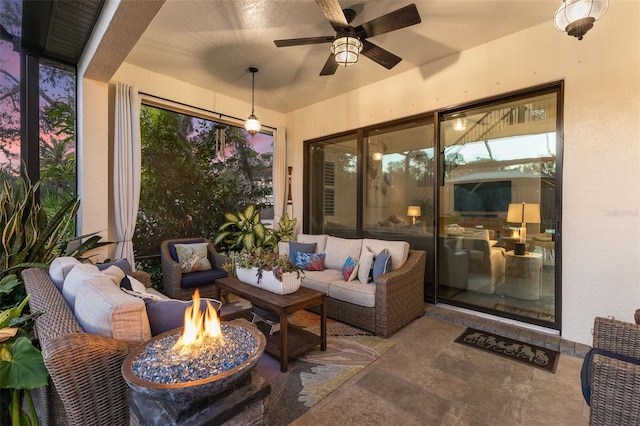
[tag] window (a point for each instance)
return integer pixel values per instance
(194, 170)
(41, 133)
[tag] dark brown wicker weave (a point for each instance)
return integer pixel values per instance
(172, 273)
(86, 385)
(615, 389)
(399, 300)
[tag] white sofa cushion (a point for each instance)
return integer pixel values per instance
(339, 249)
(320, 280)
(60, 268)
(102, 308)
(354, 292)
(320, 240)
(399, 250)
(83, 271)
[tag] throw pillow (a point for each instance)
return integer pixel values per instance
(365, 270)
(122, 264)
(193, 257)
(349, 269)
(296, 247)
(381, 264)
(310, 261)
(165, 315)
(60, 268)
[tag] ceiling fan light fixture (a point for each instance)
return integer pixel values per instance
(576, 17)
(346, 50)
(252, 125)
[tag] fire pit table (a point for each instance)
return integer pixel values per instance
(290, 340)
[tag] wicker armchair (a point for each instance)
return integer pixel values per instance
(615, 385)
(173, 279)
(85, 386)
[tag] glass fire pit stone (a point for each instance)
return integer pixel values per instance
(190, 390)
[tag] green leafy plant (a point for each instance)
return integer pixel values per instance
(286, 226)
(21, 364)
(30, 238)
(244, 230)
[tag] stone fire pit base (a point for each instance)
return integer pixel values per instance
(245, 404)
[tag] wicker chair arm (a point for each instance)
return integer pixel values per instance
(637, 316)
(614, 392)
(400, 294)
(217, 260)
(86, 372)
(617, 336)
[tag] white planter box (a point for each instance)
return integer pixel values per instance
(290, 280)
(249, 276)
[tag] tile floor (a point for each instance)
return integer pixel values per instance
(427, 379)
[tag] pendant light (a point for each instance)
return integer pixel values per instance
(252, 125)
(576, 17)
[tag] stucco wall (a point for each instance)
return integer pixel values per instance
(601, 180)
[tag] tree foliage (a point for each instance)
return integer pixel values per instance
(187, 184)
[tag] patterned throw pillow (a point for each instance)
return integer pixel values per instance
(381, 264)
(349, 269)
(310, 261)
(296, 247)
(193, 257)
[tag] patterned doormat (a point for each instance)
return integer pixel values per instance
(526, 353)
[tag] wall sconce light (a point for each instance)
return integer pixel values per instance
(523, 213)
(576, 17)
(377, 156)
(252, 125)
(414, 211)
(346, 50)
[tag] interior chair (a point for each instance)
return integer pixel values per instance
(611, 373)
(454, 266)
(181, 285)
(486, 262)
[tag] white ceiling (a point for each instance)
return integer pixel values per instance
(212, 43)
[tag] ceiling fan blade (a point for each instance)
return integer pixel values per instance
(333, 13)
(301, 41)
(392, 21)
(330, 66)
(379, 55)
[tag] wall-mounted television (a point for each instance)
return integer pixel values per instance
(493, 196)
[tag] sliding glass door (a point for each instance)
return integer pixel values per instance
(476, 187)
(498, 213)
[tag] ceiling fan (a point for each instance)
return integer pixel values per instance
(355, 38)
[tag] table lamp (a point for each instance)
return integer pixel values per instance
(523, 213)
(414, 211)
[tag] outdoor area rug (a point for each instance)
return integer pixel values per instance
(535, 356)
(315, 374)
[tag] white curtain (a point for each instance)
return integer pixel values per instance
(279, 174)
(126, 168)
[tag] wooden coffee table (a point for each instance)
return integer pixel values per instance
(293, 340)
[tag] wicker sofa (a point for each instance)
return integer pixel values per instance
(85, 386)
(397, 297)
(615, 383)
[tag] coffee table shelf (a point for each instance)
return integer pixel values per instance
(290, 340)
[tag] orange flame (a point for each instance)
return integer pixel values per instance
(198, 327)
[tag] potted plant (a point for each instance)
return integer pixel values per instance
(244, 230)
(268, 270)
